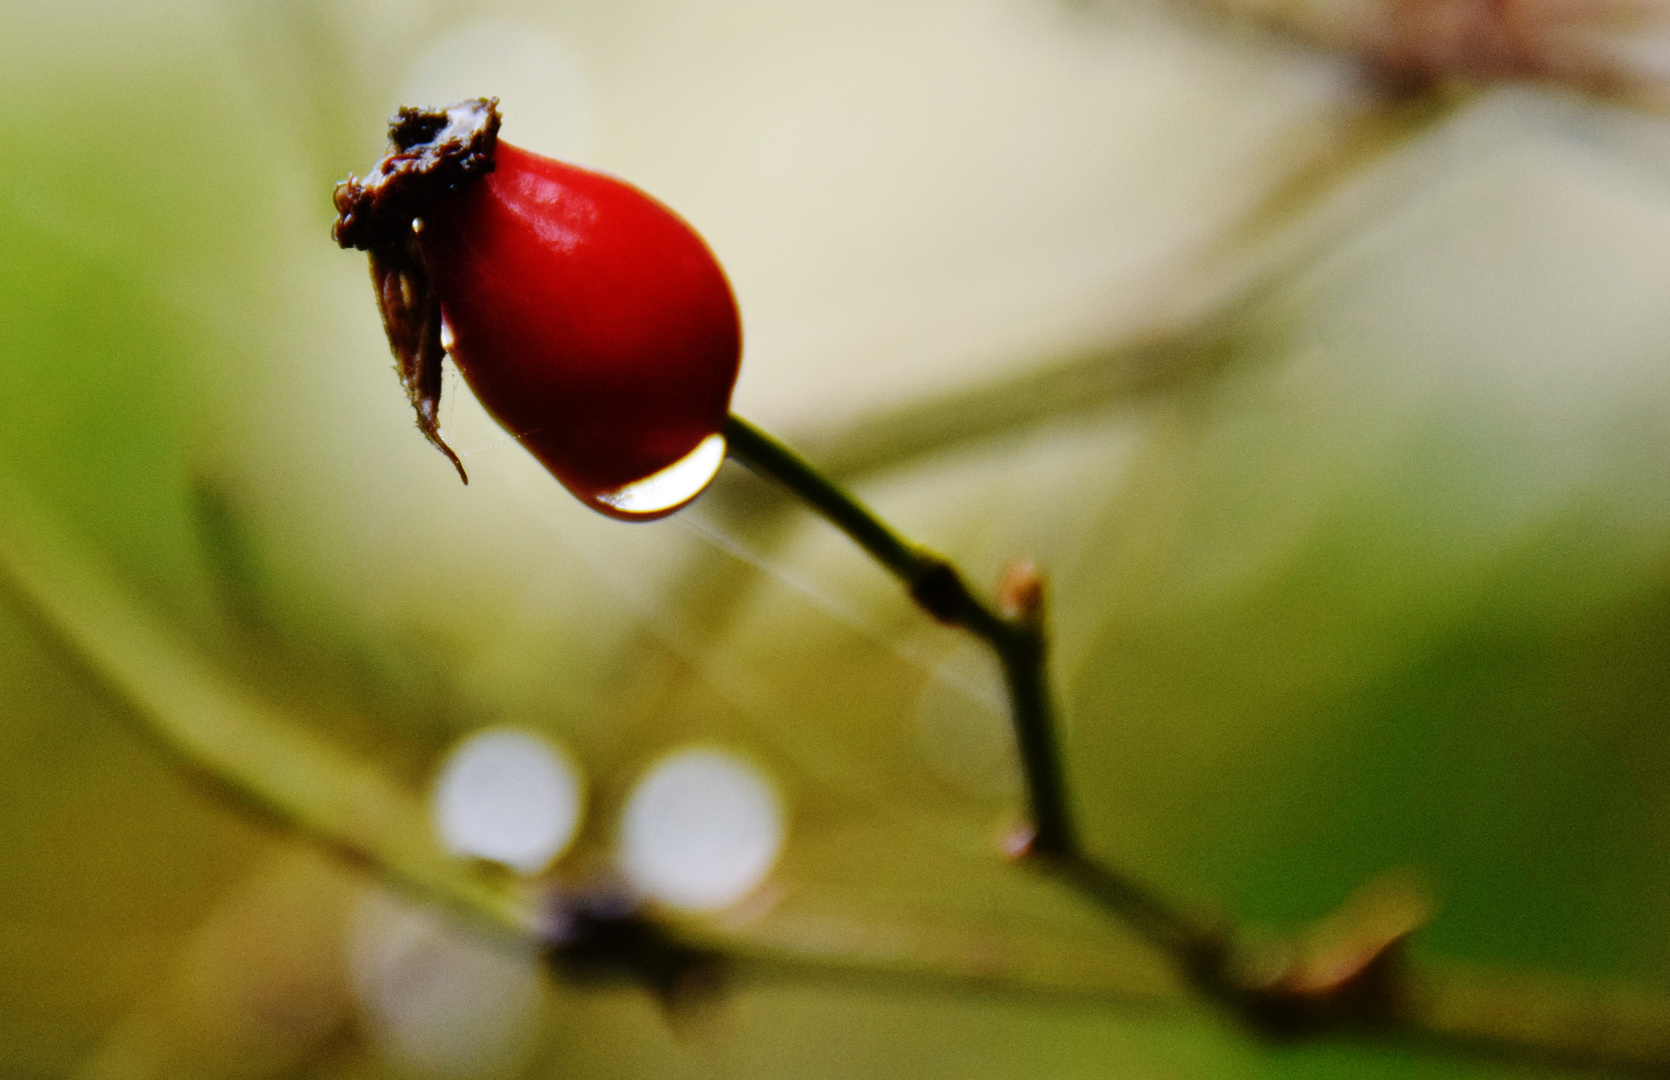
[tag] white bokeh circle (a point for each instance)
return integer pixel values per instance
(701, 830)
(509, 796)
(438, 1001)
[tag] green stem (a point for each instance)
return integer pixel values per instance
(1020, 644)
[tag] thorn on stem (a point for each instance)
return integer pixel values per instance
(1349, 967)
(1016, 841)
(1020, 592)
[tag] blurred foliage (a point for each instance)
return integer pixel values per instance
(1334, 410)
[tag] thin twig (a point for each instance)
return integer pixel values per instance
(260, 755)
(1361, 983)
(1019, 641)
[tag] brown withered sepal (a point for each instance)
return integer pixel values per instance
(432, 154)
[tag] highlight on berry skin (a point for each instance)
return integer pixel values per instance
(591, 321)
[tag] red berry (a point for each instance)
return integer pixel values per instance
(590, 320)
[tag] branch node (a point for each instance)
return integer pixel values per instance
(941, 591)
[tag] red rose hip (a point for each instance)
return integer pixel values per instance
(590, 320)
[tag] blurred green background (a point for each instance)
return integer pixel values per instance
(1333, 405)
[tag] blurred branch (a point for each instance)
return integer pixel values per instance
(244, 747)
(1565, 1022)
(1016, 635)
(1349, 978)
(1321, 200)
(1053, 391)
(263, 759)
(1349, 974)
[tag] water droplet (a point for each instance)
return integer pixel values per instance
(509, 796)
(701, 830)
(669, 489)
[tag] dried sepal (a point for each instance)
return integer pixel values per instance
(412, 320)
(431, 154)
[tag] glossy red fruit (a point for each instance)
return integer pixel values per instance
(590, 320)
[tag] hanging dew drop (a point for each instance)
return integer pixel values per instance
(668, 489)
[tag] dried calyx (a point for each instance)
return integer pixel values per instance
(431, 155)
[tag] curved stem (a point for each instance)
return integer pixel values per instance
(1017, 637)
